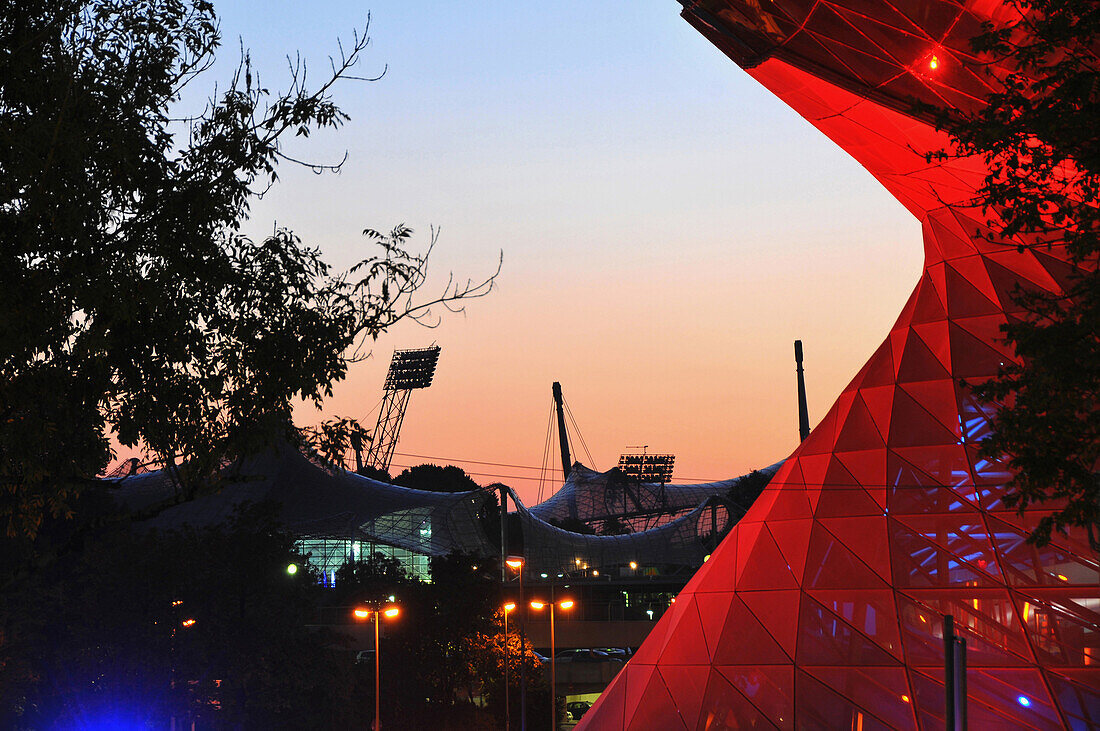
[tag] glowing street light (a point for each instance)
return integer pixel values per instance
(362, 613)
(292, 568)
(516, 563)
(538, 606)
(508, 607)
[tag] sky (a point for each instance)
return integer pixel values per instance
(668, 229)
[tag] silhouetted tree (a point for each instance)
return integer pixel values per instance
(129, 301)
(436, 479)
(1038, 135)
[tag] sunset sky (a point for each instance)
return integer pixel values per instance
(668, 229)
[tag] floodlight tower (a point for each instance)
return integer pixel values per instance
(647, 467)
(409, 370)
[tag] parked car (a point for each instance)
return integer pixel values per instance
(582, 654)
(619, 654)
(577, 709)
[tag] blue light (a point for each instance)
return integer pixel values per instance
(1024, 701)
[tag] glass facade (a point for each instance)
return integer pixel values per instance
(825, 605)
(327, 555)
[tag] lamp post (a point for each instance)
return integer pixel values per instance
(363, 613)
(516, 564)
(562, 604)
(508, 607)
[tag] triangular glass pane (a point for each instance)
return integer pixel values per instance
(921, 563)
(819, 707)
(825, 639)
(938, 399)
(793, 539)
(686, 685)
(821, 438)
(918, 363)
(946, 465)
(879, 402)
(655, 709)
(790, 503)
(1003, 687)
(831, 565)
(1062, 273)
(1028, 564)
(637, 680)
(778, 612)
(768, 687)
(884, 691)
(868, 466)
(986, 618)
(1078, 693)
(935, 336)
(964, 299)
(859, 430)
(745, 641)
(929, 308)
(866, 537)
(913, 426)
(686, 644)
(973, 270)
(910, 490)
(724, 707)
(870, 611)
(1062, 631)
(879, 370)
(971, 358)
(963, 535)
(766, 568)
(713, 608)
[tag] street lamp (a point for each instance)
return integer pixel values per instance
(561, 604)
(508, 607)
(516, 564)
(362, 613)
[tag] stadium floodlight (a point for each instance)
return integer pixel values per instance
(647, 467)
(411, 369)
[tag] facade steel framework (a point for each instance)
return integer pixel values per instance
(825, 606)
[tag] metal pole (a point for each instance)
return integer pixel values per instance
(507, 725)
(553, 669)
(377, 677)
(949, 670)
(503, 536)
(522, 653)
(803, 412)
(563, 438)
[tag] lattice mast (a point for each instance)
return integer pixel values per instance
(803, 412)
(409, 370)
(563, 438)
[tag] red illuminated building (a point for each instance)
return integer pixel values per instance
(824, 607)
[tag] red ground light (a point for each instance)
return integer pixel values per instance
(823, 608)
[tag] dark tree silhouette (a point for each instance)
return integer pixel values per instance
(129, 301)
(1039, 136)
